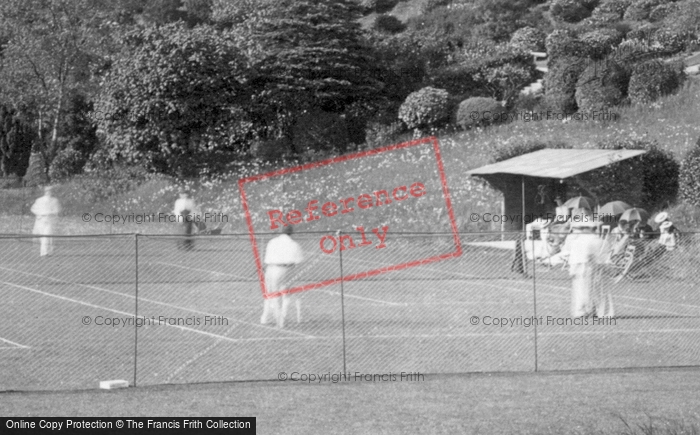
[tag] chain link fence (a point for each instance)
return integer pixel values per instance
(151, 309)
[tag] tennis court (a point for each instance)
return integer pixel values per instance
(200, 313)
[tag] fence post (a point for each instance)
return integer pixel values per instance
(136, 301)
(342, 297)
(534, 296)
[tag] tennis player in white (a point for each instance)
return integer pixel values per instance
(281, 255)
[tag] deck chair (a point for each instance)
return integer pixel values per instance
(622, 265)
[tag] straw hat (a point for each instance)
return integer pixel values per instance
(665, 225)
(661, 217)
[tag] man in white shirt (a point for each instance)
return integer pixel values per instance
(281, 255)
(46, 210)
(184, 211)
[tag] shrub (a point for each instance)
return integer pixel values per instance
(458, 80)
(640, 9)
(611, 9)
(36, 172)
(601, 42)
(669, 42)
(649, 181)
(560, 83)
(602, 85)
(67, 163)
(529, 39)
(569, 11)
(478, 111)
(428, 107)
(319, 131)
(431, 5)
(378, 6)
(388, 24)
(689, 177)
(564, 43)
(97, 187)
(662, 11)
(653, 79)
(378, 134)
(271, 149)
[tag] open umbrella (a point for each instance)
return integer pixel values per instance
(580, 202)
(634, 214)
(614, 208)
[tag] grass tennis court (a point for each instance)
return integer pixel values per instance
(417, 319)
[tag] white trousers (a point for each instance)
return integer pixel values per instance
(274, 281)
(46, 246)
(581, 282)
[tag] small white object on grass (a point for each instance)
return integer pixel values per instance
(110, 385)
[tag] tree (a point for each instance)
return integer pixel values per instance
(174, 100)
(52, 47)
(308, 55)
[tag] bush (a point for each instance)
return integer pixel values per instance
(431, 5)
(569, 11)
(378, 6)
(271, 149)
(97, 187)
(689, 177)
(653, 79)
(649, 181)
(669, 42)
(611, 9)
(67, 163)
(458, 80)
(428, 107)
(565, 43)
(640, 9)
(660, 12)
(377, 134)
(602, 85)
(601, 42)
(479, 111)
(319, 131)
(36, 172)
(388, 24)
(528, 39)
(560, 83)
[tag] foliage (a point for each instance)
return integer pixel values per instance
(95, 187)
(67, 163)
(639, 10)
(569, 11)
(478, 111)
(649, 181)
(378, 134)
(36, 172)
(601, 86)
(430, 5)
(529, 39)
(611, 10)
(378, 6)
(427, 107)
(662, 11)
(319, 131)
(52, 48)
(653, 79)
(689, 177)
(172, 101)
(388, 24)
(601, 42)
(15, 142)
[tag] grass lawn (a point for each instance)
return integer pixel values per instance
(549, 402)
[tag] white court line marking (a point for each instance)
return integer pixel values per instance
(183, 328)
(364, 299)
(524, 290)
(158, 302)
(16, 345)
(201, 270)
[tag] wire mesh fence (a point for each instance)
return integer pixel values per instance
(151, 309)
